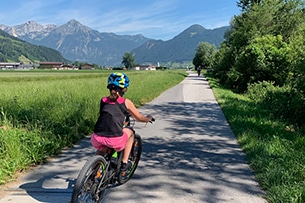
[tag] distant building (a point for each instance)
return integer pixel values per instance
(68, 67)
(86, 67)
(8, 66)
(50, 65)
(25, 67)
(144, 67)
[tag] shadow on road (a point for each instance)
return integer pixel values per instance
(199, 154)
(194, 155)
(57, 177)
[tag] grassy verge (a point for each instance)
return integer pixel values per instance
(47, 111)
(275, 150)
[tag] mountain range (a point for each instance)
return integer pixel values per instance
(181, 48)
(77, 42)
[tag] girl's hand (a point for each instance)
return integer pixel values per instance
(151, 119)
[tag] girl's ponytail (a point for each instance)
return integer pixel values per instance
(113, 95)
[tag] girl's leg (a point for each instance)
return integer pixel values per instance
(129, 143)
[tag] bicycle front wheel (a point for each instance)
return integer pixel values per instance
(134, 158)
(90, 184)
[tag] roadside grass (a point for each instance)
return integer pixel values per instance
(275, 150)
(45, 112)
(48, 111)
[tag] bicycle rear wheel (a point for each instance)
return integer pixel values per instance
(90, 177)
(134, 158)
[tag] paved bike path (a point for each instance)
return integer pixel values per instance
(189, 155)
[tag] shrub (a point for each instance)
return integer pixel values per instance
(284, 102)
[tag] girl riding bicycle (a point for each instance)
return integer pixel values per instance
(109, 129)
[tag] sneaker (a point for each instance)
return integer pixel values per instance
(125, 167)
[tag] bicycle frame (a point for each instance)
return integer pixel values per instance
(103, 171)
(113, 159)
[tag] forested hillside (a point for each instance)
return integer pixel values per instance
(13, 49)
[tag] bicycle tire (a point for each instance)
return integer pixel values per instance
(134, 157)
(92, 173)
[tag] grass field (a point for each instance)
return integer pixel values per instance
(275, 150)
(47, 111)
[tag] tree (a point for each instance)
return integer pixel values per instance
(223, 63)
(128, 60)
(96, 66)
(2, 58)
(297, 72)
(289, 19)
(257, 20)
(205, 55)
(247, 4)
(267, 59)
(76, 63)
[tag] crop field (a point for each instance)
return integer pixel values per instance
(44, 112)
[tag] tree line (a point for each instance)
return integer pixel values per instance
(263, 54)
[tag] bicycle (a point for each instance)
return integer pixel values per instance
(103, 171)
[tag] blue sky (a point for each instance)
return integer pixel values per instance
(157, 19)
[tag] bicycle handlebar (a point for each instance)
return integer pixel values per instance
(152, 118)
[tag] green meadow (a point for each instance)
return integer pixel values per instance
(45, 112)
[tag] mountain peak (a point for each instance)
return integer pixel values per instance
(29, 28)
(33, 26)
(196, 26)
(74, 22)
(73, 26)
(31, 22)
(195, 29)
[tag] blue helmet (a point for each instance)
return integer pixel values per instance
(118, 81)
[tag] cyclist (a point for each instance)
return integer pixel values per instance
(199, 70)
(109, 129)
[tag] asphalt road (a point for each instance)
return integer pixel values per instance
(189, 155)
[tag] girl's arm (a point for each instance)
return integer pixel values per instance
(135, 113)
